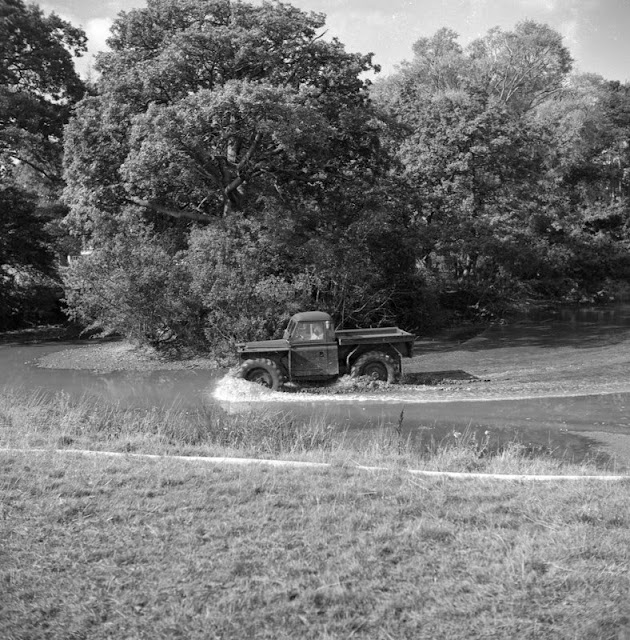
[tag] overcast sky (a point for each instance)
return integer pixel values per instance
(597, 32)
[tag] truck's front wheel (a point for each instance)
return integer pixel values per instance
(376, 365)
(262, 371)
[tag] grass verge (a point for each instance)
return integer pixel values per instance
(129, 548)
(57, 421)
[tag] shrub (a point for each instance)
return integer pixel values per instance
(133, 286)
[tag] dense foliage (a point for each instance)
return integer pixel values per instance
(246, 148)
(519, 170)
(26, 260)
(233, 164)
(38, 85)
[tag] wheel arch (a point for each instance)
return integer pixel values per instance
(377, 363)
(362, 349)
(281, 360)
(263, 370)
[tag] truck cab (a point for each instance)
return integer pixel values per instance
(313, 350)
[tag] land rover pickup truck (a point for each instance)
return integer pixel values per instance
(311, 350)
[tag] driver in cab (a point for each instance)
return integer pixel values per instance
(317, 331)
(310, 331)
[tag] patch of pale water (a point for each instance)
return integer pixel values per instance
(84, 370)
(346, 390)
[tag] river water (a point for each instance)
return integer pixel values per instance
(559, 382)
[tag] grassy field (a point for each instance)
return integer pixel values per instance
(122, 548)
(126, 547)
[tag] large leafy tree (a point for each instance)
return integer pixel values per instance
(213, 117)
(519, 169)
(206, 107)
(589, 162)
(472, 165)
(476, 158)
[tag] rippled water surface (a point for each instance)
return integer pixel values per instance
(555, 381)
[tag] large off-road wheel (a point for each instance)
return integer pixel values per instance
(376, 365)
(262, 371)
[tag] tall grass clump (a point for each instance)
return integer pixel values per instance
(269, 433)
(475, 451)
(56, 419)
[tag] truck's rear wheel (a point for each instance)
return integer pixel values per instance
(262, 371)
(376, 365)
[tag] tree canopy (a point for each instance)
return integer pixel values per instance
(233, 116)
(209, 107)
(509, 159)
(38, 86)
(237, 158)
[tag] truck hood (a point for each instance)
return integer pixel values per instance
(263, 345)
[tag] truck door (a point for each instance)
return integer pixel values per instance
(313, 351)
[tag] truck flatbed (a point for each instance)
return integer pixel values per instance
(374, 336)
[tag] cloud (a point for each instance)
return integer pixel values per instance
(570, 33)
(97, 31)
(548, 6)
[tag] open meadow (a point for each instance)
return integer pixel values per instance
(128, 547)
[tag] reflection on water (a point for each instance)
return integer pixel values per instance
(554, 379)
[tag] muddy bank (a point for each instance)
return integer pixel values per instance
(533, 359)
(119, 356)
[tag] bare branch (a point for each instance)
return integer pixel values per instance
(173, 213)
(54, 179)
(250, 152)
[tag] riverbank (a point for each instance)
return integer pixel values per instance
(119, 355)
(525, 363)
(41, 333)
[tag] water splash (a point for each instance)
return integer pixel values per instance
(236, 391)
(232, 389)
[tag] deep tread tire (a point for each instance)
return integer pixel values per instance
(376, 365)
(262, 371)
